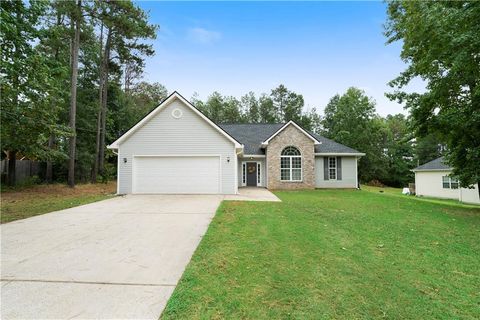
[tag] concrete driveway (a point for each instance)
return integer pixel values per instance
(118, 258)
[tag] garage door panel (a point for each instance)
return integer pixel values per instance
(192, 174)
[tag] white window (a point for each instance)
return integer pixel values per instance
(449, 182)
(258, 173)
(291, 164)
(453, 183)
(244, 173)
(332, 168)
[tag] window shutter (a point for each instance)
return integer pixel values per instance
(325, 168)
(339, 168)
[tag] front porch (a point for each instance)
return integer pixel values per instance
(251, 171)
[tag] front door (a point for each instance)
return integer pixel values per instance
(251, 174)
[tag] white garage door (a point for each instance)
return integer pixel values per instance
(192, 174)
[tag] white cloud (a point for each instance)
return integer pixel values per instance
(203, 36)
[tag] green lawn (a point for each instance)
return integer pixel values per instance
(39, 199)
(334, 254)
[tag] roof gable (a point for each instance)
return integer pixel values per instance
(174, 96)
(251, 135)
(438, 164)
(290, 123)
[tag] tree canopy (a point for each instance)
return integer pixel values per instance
(280, 106)
(49, 100)
(441, 46)
(351, 119)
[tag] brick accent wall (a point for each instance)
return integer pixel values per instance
(290, 136)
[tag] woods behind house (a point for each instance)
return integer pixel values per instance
(72, 82)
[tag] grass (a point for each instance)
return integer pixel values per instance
(342, 254)
(39, 199)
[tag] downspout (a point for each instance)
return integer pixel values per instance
(356, 172)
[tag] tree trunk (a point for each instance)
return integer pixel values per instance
(73, 93)
(99, 115)
(51, 140)
(49, 170)
(16, 83)
(106, 59)
(97, 147)
(11, 167)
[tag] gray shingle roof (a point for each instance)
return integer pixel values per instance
(330, 146)
(252, 136)
(437, 164)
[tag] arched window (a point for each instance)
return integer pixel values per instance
(291, 164)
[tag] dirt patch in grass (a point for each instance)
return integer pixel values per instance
(59, 190)
(39, 199)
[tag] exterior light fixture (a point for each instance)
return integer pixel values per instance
(228, 159)
(124, 160)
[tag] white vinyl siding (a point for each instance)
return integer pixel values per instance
(434, 184)
(430, 184)
(349, 173)
(187, 135)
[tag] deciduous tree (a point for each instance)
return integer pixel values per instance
(29, 87)
(351, 119)
(441, 45)
(398, 150)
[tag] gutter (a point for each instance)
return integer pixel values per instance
(358, 154)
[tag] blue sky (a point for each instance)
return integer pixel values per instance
(317, 49)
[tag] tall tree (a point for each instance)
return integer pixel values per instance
(231, 111)
(52, 45)
(75, 22)
(132, 71)
(279, 96)
(87, 97)
(351, 119)
(267, 110)
(441, 45)
(213, 107)
(311, 121)
(125, 25)
(29, 108)
(427, 148)
(289, 104)
(134, 104)
(250, 107)
(398, 149)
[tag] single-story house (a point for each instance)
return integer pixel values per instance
(177, 149)
(433, 179)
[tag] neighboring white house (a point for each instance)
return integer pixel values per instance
(433, 179)
(177, 149)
